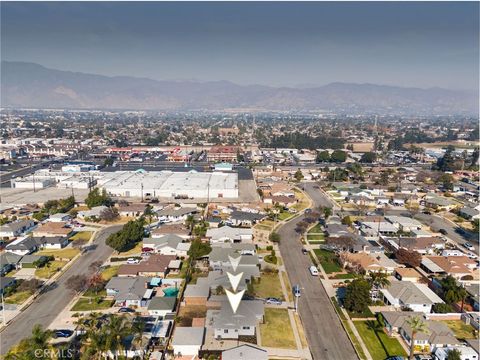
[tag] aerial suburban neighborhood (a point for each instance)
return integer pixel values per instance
(239, 180)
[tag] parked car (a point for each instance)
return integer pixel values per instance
(273, 301)
(132, 261)
(63, 333)
(313, 270)
(126, 310)
(469, 246)
(296, 290)
(304, 251)
(443, 231)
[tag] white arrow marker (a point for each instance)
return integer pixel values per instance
(234, 261)
(234, 280)
(234, 299)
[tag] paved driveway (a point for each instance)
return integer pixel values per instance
(325, 334)
(49, 304)
(25, 273)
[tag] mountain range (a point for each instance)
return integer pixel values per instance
(29, 85)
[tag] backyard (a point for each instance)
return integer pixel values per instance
(269, 286)
(379, 344)
(328, 260)
(461, 330)
(277, 331)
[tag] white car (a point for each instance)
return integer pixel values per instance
(469, 246)
(132, 261)
(313, 270)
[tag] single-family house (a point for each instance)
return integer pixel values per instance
(162, 306)
(466, 352)
(8, 261)
(175, 214)
(173, 229)
(245, 352)
(404, 223)
(187, 341)
(155, 265)
(244, 218)
(52, 229)
(230, 235)
(16, 228)
(230, 325)
(94, 212)
(407, 274)
(469, 213)
(459, 267)
(368, 263)
(409, 295)
(129, 291)
(23, 246)
(168, 245)
(197, 294)
(422, 245)
(131, 210)
(59, 217)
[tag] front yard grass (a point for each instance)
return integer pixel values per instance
(50, 269)
(137, 250)
(316, 229)
(67, 253)
(317, 237)
(379, 344)
(88, 304)
(82, 236)
(109, 272)
(328, 260)
(461, 330)
(18, 297)
(277, 331)
(269, 286)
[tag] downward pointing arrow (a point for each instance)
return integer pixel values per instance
(234, 280)
(234, 261)
(234, 299)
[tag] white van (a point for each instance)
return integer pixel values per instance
(313, 270)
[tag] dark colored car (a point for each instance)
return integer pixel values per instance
(64, 333)
(442, 231)
(304, 251)
(125, 310)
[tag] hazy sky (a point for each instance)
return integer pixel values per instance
(284, 43)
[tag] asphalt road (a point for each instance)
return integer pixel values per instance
(326, 336)
(49, 304)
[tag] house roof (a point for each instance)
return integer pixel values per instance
(9, 258)
(188, 336)
(246, 216)
(412, 293)
(16, 225)
(154, 263)
(245, 352)
(247, 314)
(407, 272)
(453, 264)
(228, 232)
(177, 229)
(175, 212)
(166, 303)
(53, 228)
(171, 240)
(128, 288)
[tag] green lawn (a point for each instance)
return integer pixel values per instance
(319, 237)
(137, 250)
(68, 253)
(50, 269)
(269, 286)
(366, 314)
(82, 236)
(328, 260)
(379, 345)
(18, 297)
(109, 272)
(284, 215)
(277, 331)
(460, 329)
(316, 229)
(345, 276)
(88, 304)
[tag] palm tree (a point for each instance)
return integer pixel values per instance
(378, 279)
(417, 325)
(137, 330)
(116, 330)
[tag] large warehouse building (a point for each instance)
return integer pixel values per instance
(168, 184)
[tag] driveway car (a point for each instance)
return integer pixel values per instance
(273, 301)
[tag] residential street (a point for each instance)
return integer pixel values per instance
(47, 306)
(326, 336)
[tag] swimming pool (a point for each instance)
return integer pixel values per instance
(170, 292)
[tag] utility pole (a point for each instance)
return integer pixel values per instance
(141, 189)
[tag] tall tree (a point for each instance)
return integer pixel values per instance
(357, 296)
(417, 325)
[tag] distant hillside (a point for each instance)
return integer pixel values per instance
(32, 85)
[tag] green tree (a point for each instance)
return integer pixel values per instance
(454, 354)
(298, 175)
(274, 237)
(417, 325)
(368, 157)
(327, 212)
(199, 249)
(125, 239)
(323, 156)
(357, 296)
(447, 162)
(97, 198)
(338, 156)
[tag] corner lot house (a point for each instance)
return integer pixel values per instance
(405, 294)
(187, 341)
